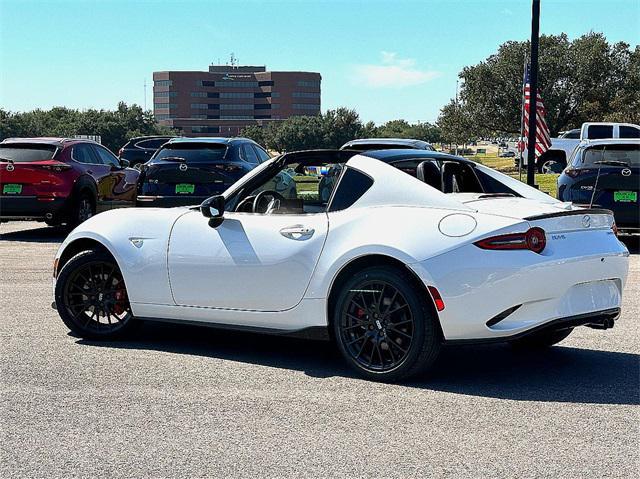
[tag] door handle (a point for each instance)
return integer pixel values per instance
(297, 232)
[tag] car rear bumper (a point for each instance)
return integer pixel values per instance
(30, 207)
(502, 294)
(169, 201)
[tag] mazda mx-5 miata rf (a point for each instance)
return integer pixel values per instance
(410, 250)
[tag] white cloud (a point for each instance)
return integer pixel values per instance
(393, 72)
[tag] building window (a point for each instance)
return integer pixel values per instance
(213, 106)
(310, 84)
(199, 117)
(275, 106)
(231, 106)
(205, 129)
(213, 117)
(165, 105)
(163, 83)
(265, 83)
(262, 94)
(165, 93)
(213, 94)
(199, 106)
(263, 106)
(237, 84)
(205, 83)
(236, 117)
(275, 94)
(236, 94)
(305, 106)
(305, 94)
(262, 117)
(164, 117)
(201, 94)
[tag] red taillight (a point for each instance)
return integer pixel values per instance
(437, 299)
(534, 240)
(57, 167)
(614, 228)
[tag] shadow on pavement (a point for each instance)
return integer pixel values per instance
(45, 234)
(559, 374)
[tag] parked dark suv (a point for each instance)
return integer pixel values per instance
(140, 149)
(605, 173)
(186, 171)
(60, 180)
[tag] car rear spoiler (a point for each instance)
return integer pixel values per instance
(581, 211)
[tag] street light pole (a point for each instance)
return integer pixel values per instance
(533, 92)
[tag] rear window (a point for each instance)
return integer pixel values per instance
(193, 152)
(629, 154)
(154, 143)
(377, 146)
(25, 153)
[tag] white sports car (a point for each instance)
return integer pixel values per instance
(410, 250)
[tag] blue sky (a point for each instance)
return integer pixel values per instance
(386, 59)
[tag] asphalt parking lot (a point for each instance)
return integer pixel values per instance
(182, 401)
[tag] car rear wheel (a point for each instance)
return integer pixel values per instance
(541, 340)
(384, 326)
(91, 296)
(83, 209)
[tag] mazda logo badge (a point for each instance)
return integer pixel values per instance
(10, 167)
(183, 167)
(626, 172)
(586, 221)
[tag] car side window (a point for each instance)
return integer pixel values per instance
(249, 155)
(106, 158)
(629, 132)
(152, 144)
(352, 186)
(83, 153)
(262, 155)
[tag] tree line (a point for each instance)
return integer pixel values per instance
(115, 127)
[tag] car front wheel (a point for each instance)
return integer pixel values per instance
(384, 325)
(91, 296)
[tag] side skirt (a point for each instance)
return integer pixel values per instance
(316, 333)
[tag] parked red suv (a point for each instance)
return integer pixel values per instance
(60, 180)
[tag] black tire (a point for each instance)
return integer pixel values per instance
(377, 320)
(541, 340)
(84, 207)
(91, 297)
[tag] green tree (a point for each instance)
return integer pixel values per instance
(455, 124)
(587, 79)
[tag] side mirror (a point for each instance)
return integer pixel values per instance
(125, 163)
(213, 208)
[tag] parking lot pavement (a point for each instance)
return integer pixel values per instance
(180, 401)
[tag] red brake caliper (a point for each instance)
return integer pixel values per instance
(121, 299)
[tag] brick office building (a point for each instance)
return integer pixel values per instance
(226, 99)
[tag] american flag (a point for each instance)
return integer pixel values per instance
(543, 138)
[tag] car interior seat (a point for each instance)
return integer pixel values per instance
(429, 173)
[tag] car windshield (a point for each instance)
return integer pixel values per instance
(629, 154)
(193, 152)
(25, 153)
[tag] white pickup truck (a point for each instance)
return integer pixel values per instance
(555, 159)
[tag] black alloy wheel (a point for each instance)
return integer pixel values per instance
(91, 296)
(384, 327)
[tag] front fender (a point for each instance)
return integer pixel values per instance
(138, 240)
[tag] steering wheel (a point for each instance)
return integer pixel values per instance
(266, 195)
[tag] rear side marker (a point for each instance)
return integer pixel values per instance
(437, 299)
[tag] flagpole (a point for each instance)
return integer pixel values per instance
(533, 92)
(521, 135)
